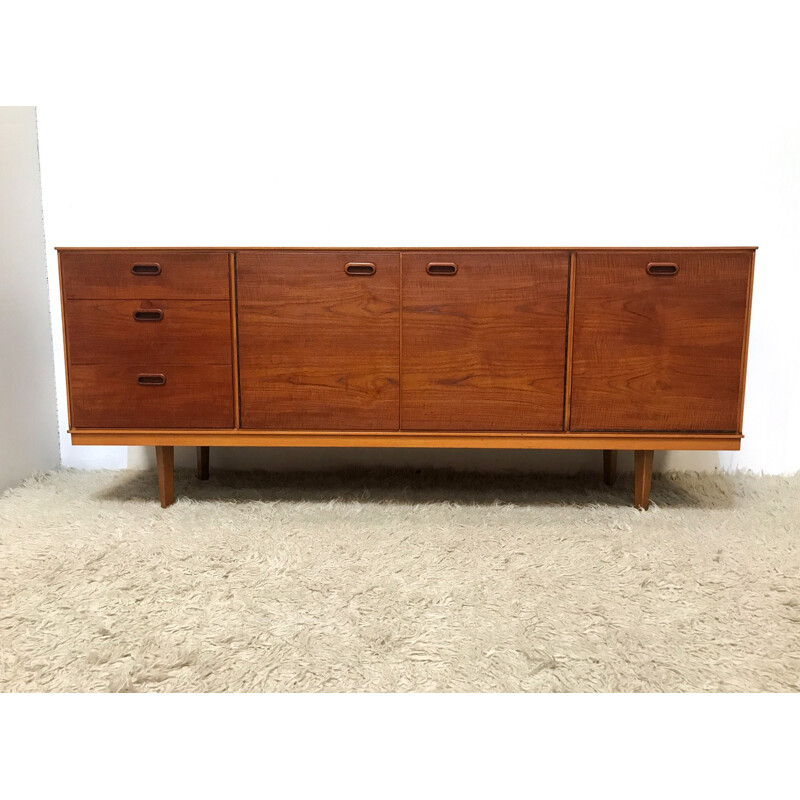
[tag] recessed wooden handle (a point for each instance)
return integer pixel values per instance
(359, 268)
(147, 379)
(661, 268)
(441, 268)
(148, 315)
(146, 269)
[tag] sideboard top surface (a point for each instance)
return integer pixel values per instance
(424, 249)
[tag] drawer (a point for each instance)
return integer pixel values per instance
(148, 331)
(147, 274)
(659, 340)
(105, 396)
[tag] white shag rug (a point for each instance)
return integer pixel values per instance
(399, 581)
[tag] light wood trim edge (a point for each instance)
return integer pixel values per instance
(743, 374)
(234, 301)
(400, 380)
(64, 338)
(573, 259)
(508, 441)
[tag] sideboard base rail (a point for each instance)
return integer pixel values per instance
(478, 440)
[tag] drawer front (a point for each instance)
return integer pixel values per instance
(105, 396)
(319, 340)
(659, 347)
(147, 274)
(484, 341)
(148, 331)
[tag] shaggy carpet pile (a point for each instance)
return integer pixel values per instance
(399, 581)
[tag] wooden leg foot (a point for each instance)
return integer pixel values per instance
(610, 467)
(165, 461)
(643, 472)
(202, 463)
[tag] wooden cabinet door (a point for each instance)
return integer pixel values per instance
(319, 340)
(659, 348)
(484, 340)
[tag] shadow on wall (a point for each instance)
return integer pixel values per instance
(558, 462)
(424, 486)
(28, 416)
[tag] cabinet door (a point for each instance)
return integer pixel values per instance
(659, 348)
(484, 340)
(319, 339)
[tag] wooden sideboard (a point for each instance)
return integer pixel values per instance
(606, 349)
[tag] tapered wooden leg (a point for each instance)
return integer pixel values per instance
(642, 473)
(202, 463)
(165, 460)
(610, 467)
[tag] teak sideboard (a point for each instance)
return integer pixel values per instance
(606, 349)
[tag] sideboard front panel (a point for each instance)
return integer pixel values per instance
(484, 340)
(658, 340)
(319, 340)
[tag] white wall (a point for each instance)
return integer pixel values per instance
(28, 434)
(446, 124)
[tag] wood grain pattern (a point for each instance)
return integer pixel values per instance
(318, 348)
(107, 396)
(484, 349)
(191, 332)
(185, 274)
(659, 353)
